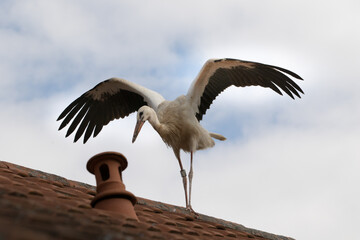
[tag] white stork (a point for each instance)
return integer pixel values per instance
(177, 121)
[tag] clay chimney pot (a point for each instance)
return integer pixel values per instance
(110, 191)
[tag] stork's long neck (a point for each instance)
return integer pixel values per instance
(154, 121)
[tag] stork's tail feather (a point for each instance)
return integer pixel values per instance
(218, 136)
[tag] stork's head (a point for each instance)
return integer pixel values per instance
(144, 113)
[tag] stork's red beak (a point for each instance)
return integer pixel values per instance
(138, 127)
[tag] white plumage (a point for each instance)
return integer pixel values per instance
(177, 122)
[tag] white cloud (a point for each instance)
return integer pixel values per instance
(288, 167)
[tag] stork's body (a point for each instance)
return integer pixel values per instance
(177, 121)
(179, 127)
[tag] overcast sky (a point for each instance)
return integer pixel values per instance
(288, 167)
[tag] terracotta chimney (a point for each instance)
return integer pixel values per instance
(110, 191)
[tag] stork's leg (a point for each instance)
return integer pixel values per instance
(190, 178)
(183, 175)
(191, 174)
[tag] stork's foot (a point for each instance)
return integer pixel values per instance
(192, 212)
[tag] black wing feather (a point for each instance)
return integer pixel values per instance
(78, 118)
(70, 111)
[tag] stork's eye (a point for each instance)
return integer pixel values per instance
(141, 114)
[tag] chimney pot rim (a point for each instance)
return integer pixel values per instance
(122, 194)
(106, 155)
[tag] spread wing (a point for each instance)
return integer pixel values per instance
(111, 99)
(219, 74)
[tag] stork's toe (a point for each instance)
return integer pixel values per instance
(191, 211)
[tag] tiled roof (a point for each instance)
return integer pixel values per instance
(38, 205)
